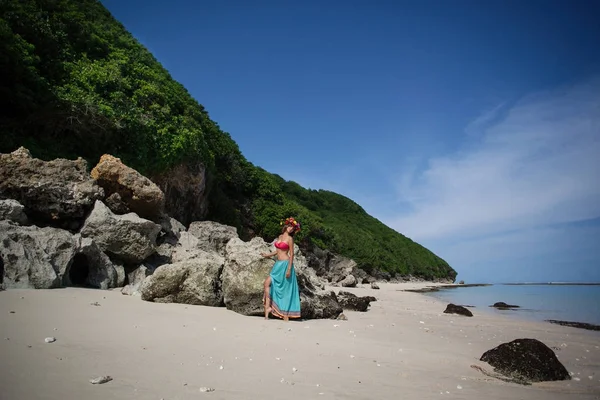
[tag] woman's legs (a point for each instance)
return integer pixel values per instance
(267, 298)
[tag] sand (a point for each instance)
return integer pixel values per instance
(404, 347)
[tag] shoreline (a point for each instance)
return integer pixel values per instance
(403, 343)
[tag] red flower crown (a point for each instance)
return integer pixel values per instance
(291, 221)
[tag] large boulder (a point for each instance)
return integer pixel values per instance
(57, 193)
(135, 279)
(12, 210)
(195, 282)
(322, 304)
(202, 237)
(212, 236)
(526, 360)
(350, 301)
(92, 268)
(140, 194)
(35, 257)
(184, 187)
(128, 237)
(46, 258)
(243, 281)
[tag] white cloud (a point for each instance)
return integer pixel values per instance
(536, 165)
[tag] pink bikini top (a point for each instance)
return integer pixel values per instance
(281, 245)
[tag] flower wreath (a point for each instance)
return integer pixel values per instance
(291, 221)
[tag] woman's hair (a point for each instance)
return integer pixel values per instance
(285, 226)
(290, 222)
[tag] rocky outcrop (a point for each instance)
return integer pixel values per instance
(244, 274)
(128, 237)
(460, 310)
(526, 360)
(46, 258)
(138, 193)
(135, 279)
(12, 210)
(92, 268)
(503, 306)
(184, 187)
(338, 270)
(212, 236)
(56, 193)
(196, 282)
(35, 257)
(350, 301)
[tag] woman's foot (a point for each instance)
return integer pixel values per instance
(286, 319)
(267, 307)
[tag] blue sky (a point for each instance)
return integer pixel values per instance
(471, 127)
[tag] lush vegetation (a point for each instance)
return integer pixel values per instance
(75, 83)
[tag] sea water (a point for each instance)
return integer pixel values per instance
(577, 303)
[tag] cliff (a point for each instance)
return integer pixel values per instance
(75, 83)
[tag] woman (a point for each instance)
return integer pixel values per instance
(282, 297)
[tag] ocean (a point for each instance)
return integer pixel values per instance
(567, 302)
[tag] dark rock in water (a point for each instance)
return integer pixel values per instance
(526, 360)
(350, 301)
(370, 298)
(503, 306)
(582, 325)
(56, 193)
(454, 309)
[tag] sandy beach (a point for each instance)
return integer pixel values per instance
(403, 347)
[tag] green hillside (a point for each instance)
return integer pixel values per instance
(76, 83)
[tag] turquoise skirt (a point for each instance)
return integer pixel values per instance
(284, 292)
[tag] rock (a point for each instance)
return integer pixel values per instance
(12, 210)
(454, 309)
(573, 324)
(348, 281)
(162, 256)
(212, 236)
(171, 230)
(339, 268)
(92, 268)
(101, 379)
(184, 187)
(526, 360)
(244, 274)
(374, 285)
(186, 248)
(128, 237)
(116, 204)
(135, 279)
(140, 194)
(50, 340)
(350, 301)
(503, 306)
(35, 257)
(195, 282)
(57, 193)
(381, 275)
